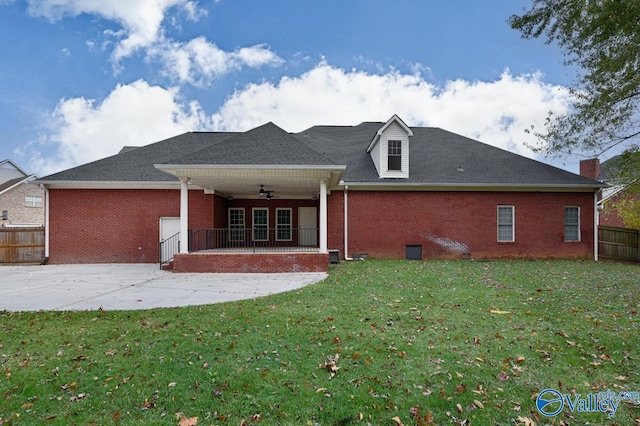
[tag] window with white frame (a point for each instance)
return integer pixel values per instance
(260, 224)
(394, 155)
(506, 224)
(236, 224)
(572, 223)
(283, 224)
(33, 201)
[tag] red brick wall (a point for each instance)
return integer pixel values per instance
(381, 224)
(251, 263)
(120, 226)
(98, 226)
(220, 212)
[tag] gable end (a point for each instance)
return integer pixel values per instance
(390, 149)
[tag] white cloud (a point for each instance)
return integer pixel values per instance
(199, 61)
(495, 112)
(82, 130)
(141, 19)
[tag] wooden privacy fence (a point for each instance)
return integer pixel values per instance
(21, 245)
(619, 243)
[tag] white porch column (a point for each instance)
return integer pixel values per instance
(323, 216)
(184, 216)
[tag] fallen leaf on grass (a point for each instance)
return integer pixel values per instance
(502, 376)
(172, 385)
(526, 421)
(398, 421)
(497, 312)
(191, 421)
(331, 365)
(77, 397)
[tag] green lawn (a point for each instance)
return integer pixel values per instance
(378, 342)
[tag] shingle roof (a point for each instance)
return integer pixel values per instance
(264, 145)
(137, 164)
(436, 157)
(11, 182)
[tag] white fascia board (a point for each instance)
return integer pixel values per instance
(392, 186)
(70, 184)
(173, 167)
(331, 172)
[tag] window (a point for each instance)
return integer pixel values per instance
(283, 224)
(33, 201)
(394, 155)
(236, 224)
(506, 226)
(572, 223)
(260, 224)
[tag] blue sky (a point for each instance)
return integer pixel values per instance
(81, 78)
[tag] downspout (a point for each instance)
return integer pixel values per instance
(46, 225)
(596, 221)
(346, 223)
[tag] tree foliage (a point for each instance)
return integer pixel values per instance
(601, 37)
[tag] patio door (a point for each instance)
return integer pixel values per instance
(169, 227)
(307, 226)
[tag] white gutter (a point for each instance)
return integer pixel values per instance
(71, 184)
(596, 213)
(346, 223)
(46, 221)
(426, 186)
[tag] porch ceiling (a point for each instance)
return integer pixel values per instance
(245, 181)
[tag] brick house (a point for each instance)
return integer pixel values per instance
(607, 172)
(269, 200)
(21, 201)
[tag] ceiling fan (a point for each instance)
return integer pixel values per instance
(266, 193)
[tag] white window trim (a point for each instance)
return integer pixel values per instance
(289, 225)
(513, 223)
(234, 227)
(259, 226)
(399, 156)
(33, 201)
(565, 225)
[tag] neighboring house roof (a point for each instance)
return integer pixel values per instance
(14, 165)
(13, 183)
(16, 176)
(438, 158)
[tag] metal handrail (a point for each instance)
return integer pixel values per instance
(169, 247)
(283, 238)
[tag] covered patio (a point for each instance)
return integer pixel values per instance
(266, 218)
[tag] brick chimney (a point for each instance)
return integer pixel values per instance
(590, 168)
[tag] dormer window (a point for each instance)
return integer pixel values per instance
(389, 149)
(394, 152)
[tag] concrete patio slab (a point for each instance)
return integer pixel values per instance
(132, 286)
